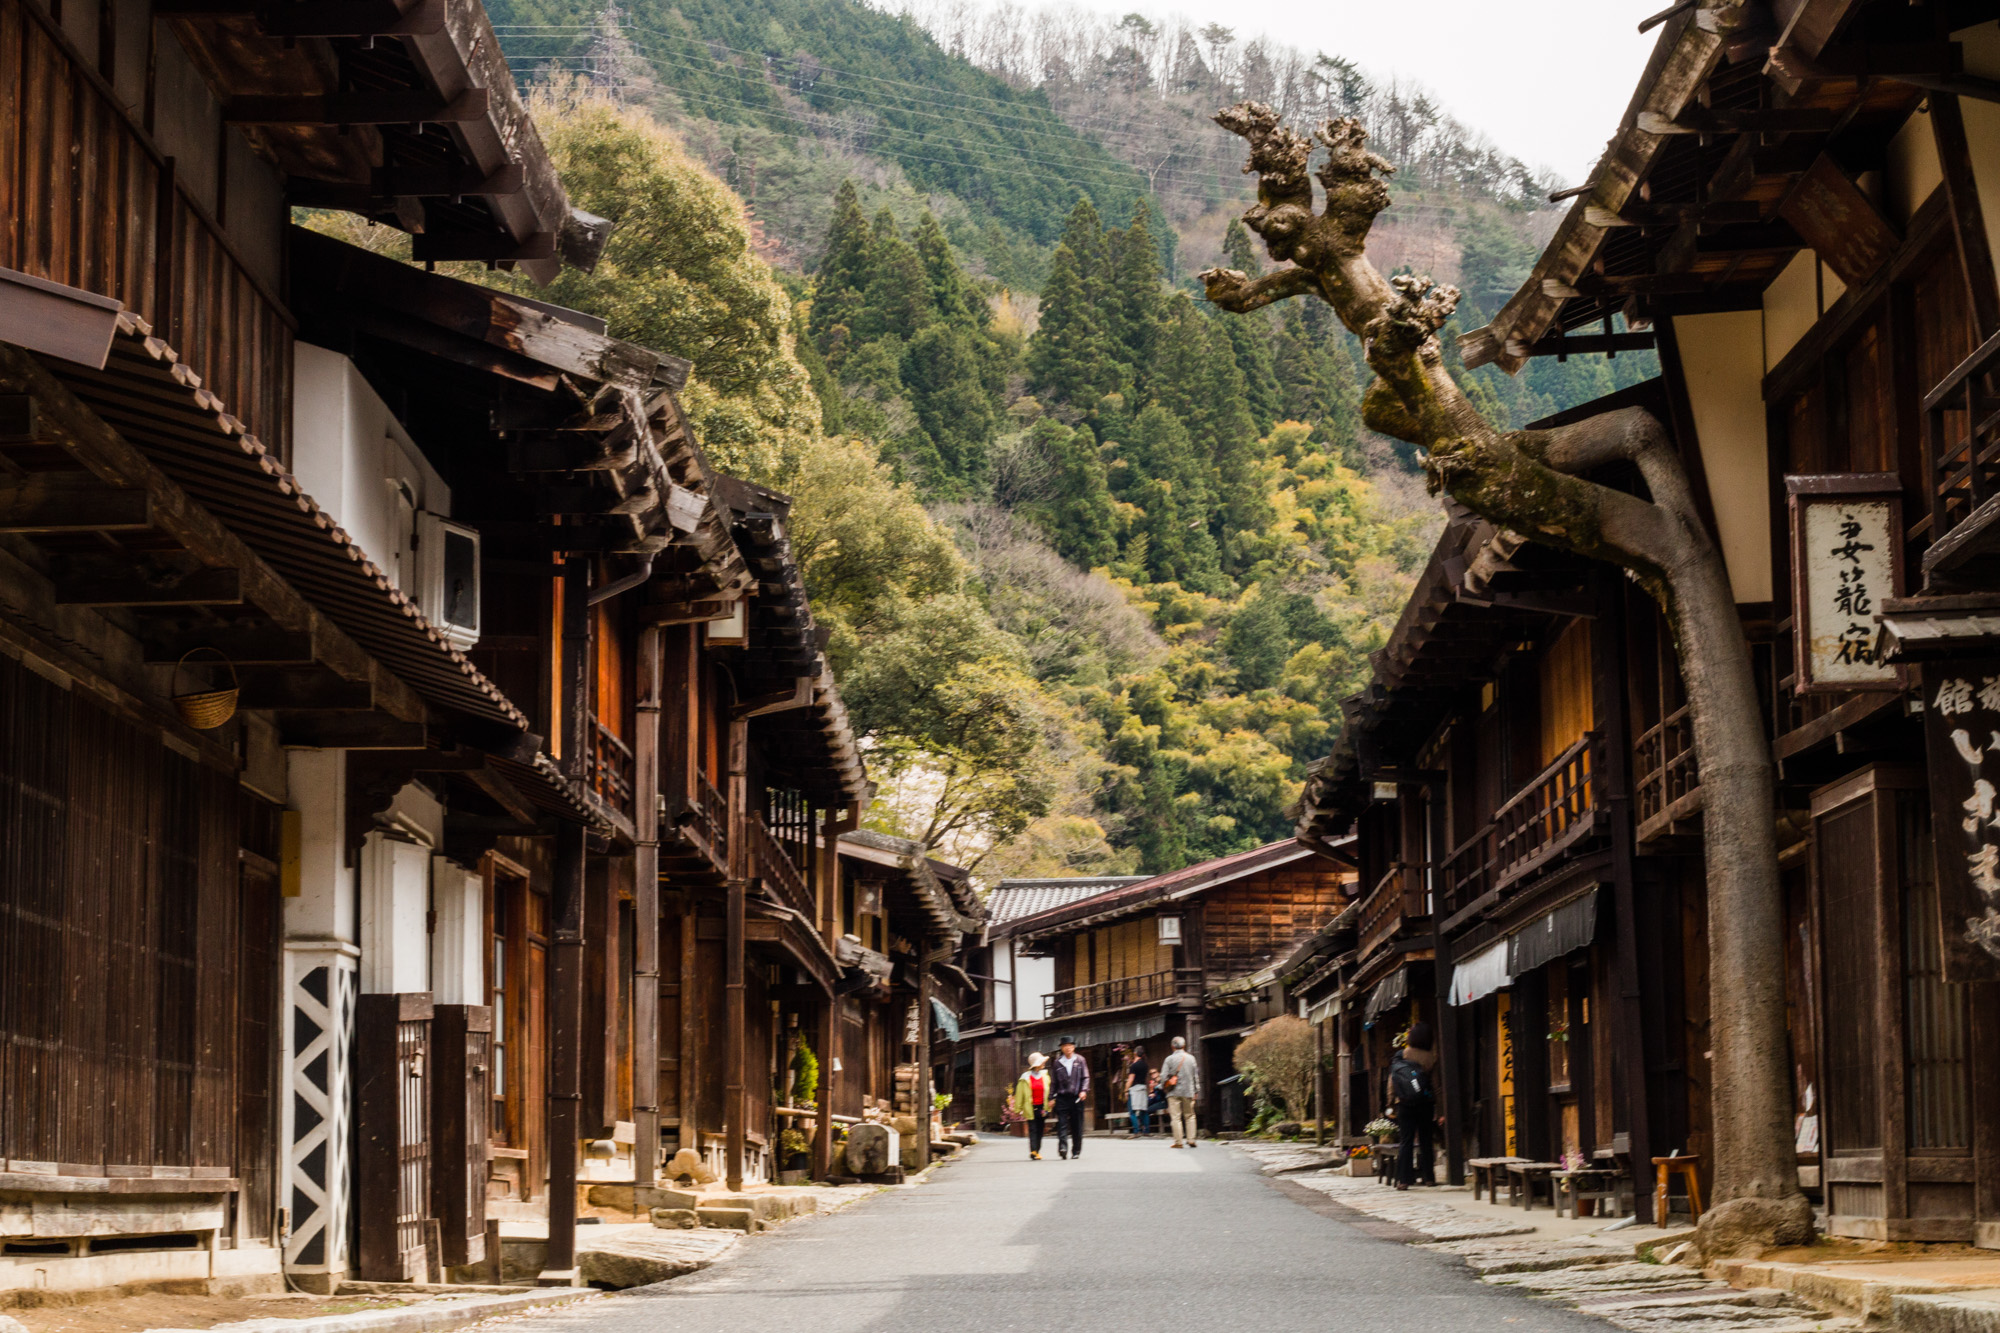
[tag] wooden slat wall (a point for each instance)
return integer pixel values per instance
(93, 218)
(122, 954)
(1565, 682)
(1249, 923)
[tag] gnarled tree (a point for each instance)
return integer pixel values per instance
(1531, 483)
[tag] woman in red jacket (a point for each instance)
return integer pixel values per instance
(1033, 1095)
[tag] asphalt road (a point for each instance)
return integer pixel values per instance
(1133, 1235)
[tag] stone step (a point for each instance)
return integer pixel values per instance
(1974, 1312)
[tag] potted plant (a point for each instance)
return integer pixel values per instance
(794, 1157)
(1360, 1161)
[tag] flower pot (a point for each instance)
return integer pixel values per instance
(1361, 1167)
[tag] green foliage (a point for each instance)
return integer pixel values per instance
(805, 1074)
(797, 84)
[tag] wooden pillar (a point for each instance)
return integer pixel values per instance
(1319, 1084)
(565, 1054)
(920, 1091)
(735, 1031)
(1344, 1075)
(692, 1026)
(646, 912)
(565, 1006)
(829, 1020)
(1968, 223)
(1608, 676)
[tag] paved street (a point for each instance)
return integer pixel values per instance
(1133, 1234)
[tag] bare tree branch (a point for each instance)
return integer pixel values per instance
(1529, 483)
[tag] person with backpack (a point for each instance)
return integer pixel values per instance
(1413, 1106)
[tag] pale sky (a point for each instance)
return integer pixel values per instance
(1544, 79)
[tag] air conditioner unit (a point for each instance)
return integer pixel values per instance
(447, 590)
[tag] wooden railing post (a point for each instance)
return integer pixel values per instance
(646, 910)
(735, 1019)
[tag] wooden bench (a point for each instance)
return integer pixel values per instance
(1487, 1173)
(1524, 1178)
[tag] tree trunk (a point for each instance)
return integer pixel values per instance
(1528, 482)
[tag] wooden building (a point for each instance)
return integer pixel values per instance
(1014, 986)
(398, 717)
(1136, 966)
(1796, 213)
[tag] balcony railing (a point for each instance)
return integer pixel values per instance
(611, 768)
(1664, 773)
(1962, 436)
(1396, 898)
(1118, 992)
(1556, 807)
(773, 865)
(704, 824)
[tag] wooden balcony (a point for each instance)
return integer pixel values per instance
(103, 212)
(1557, 808)
(771, 863)
(1962, 439)
(1182, 983)
(1666, 780)
(694, 840)
(611, 768)
(1397, 899)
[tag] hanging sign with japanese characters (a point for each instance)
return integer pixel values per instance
(1962, 737)
(1847, 558)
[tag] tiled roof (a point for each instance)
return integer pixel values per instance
(1136, 894)
(1025, 897)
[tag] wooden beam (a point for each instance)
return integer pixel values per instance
(503, 793)
(19, 423)
(584, 453)
(301, 689)
(436, 182)
(1697, 119)
(244, 645)
(71, 502)
(385, 107)
(1584, 344)
(492, 248)
(353, 18)
(204, 587)
(350, 731)
(1968, 221)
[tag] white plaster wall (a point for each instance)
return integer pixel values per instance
(325, 906)
(1913, 170)
(1034, 982)
(395, 899)
(458, 945)
(1725, 389)
(348, 449)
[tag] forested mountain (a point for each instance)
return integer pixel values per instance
(1099, 563)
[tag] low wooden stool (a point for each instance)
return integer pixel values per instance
(1524, 1176)
(1488, 1172)
(1665, 1169)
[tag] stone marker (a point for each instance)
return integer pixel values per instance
(688, 1164)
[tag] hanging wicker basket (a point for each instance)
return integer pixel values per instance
(205, 710)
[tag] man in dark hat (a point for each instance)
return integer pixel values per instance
(1072, 1083)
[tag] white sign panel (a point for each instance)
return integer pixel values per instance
(1847, 536)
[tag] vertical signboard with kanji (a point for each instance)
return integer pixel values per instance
(1847, 559)
(1962, 737)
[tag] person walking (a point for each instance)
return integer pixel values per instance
(1180, 1077)
(1414, 1107)
(1138, 1077)
(1034, 1093)
(1072, 1083)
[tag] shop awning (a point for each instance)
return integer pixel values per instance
(1564, 930)
(1324, 1010)
(946, 1019)
(1482, 974)
(1132, 1029)
(1392, 991)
